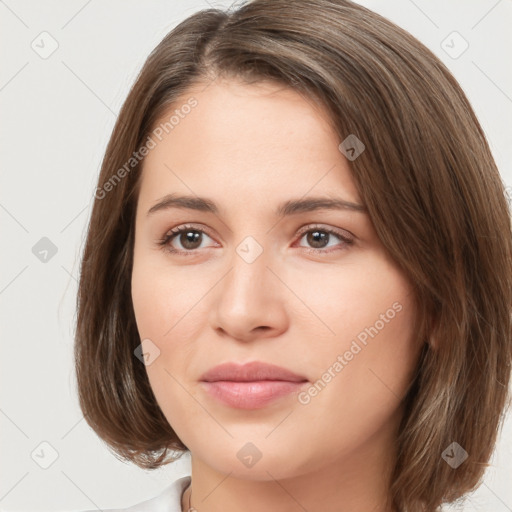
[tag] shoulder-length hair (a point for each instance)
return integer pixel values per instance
(433, 193)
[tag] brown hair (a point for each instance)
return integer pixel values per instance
(432, 190)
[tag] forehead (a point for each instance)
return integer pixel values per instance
(241, 142)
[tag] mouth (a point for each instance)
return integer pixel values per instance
(250, 386)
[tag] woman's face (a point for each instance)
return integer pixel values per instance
(311, 290)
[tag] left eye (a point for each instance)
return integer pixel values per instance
(319, 236)
(190, 239)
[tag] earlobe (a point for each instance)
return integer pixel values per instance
(432, 337)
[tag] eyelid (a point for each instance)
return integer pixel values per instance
(323, 227)
(183, 227)
(191, 226)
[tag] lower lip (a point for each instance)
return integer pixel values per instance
(251, 395)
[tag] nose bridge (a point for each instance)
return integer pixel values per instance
(247, 290)
(247, 298)
(249, 268)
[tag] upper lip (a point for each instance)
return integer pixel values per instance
(250, 372)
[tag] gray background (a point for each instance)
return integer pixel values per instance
(57, 113)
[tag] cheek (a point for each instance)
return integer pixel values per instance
(171, 310)
(163, 298)
(162, 303)
(365, 315)
(340, 304)
(364, 372)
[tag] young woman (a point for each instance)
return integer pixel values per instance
(298, 269)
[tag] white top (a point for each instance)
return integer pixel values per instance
(169, 500)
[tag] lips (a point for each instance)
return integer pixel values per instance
(252, 385)
(250, 372)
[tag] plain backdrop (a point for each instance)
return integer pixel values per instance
(66, 68)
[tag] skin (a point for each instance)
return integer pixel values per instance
(248, 148)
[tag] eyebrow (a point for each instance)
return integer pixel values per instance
(291, 207)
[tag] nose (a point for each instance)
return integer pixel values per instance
(250, 300)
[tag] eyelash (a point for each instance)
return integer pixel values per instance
(170, 235)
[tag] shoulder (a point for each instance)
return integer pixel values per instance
(169, 500)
